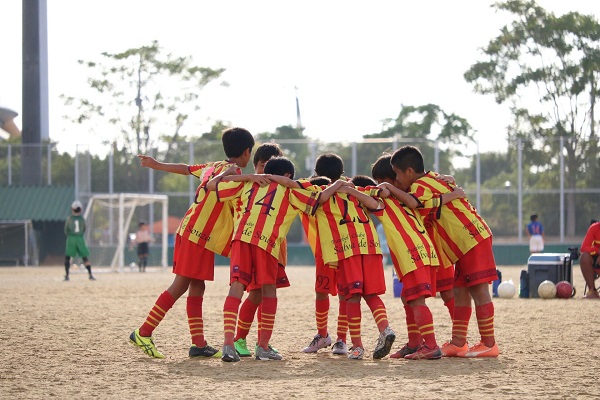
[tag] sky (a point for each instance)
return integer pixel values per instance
(352, 64)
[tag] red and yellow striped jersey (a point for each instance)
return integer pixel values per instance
(344, 227)
(458, 224)
(267, 212)
(208, 222)
(409, 243)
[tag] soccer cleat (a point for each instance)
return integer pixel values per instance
(92, 278)
(356, 353)
(480, 350)
(145, 343)
(206, 351)
(317, 343)
(425, 353)
(270, 348)
(339, 348)
(404, 351)
(242, 348)
(450, 350)
(229, 354)
(384, 343)
(66, 278)
(267, 355)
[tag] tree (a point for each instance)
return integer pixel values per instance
(140, 91)
(546, 67)
(425, 124)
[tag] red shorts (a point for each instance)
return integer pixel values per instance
(361, 274)
(193, 260)
(443, 278)
(325, 278)
(250, 263)
(417, 283)
(477, 266)
(282, 280)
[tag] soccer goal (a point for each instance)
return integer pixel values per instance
(18, 245)
(110, 221)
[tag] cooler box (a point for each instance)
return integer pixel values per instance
(554, 267)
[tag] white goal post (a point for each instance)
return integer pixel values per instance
(110, 214)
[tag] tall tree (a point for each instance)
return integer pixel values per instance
(546, 68)
(140, 91)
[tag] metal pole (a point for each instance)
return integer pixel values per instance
(120, 259)
(111, 183)
(436, 157)
(354, 161)
(49, 165)
(520, 187)
(562, 191)
(76, 171)
(478, 178)
(26, 255)
(9, 165)
(151, 191)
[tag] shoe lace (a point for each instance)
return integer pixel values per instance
(315, 340)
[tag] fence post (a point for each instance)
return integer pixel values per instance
(49, 160)
(520, 187)
(9, 165)
(562, 190)
(354, 163)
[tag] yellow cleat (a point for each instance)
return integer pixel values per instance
(145, 343)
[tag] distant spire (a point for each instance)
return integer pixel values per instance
(298, 119)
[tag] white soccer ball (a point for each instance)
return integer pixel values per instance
(507, 290)
(547, 290)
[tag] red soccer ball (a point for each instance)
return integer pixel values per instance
(564, 290)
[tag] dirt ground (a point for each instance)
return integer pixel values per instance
(70, 340)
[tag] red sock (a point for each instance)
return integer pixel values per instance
(414, 334)
(322, 315)
(354, 319)
(450, 305)
(195, 321)
(259, 319)
(460, 325)
(342, 324)
(424, 321)
(230, 312)
(163, 304)
(245, 318)
(269, 309)
(379, 312)
(485, 321)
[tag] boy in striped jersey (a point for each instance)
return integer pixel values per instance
(265, 217)
(466, 240)
(349, 240)
(196, 243)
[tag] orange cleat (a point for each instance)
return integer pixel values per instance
(480, 350)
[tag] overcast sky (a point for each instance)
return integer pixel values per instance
(353, 63)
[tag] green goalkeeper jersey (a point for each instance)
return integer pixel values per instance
(75, 225)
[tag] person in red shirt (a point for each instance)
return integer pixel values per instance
(467, 240)
(588, 261)
(196, 244)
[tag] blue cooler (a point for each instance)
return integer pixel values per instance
(397, 285)
(554, 267)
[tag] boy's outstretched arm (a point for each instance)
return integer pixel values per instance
(149, 162)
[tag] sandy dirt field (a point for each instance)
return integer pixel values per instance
(70, 340)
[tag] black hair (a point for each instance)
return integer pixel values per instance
(382, 168)
(329, 165)
(408, 157)
(265, 152)
(280, 166)
(236, 141)
(320, 180)
(141, 223)
(533, 217)
(363, 181)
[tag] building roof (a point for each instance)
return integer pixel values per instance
(37, 203)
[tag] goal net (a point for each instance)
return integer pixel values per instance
(112, 218)
(18, 245)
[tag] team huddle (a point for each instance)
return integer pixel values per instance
(437, 243)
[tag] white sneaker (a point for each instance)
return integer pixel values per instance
(318, 343)
(339, 348)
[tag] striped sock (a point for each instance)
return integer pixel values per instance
(163, 304)
(195, 321)
(414, 334)
(450, 305)
(269, 309)
(245, 318)
(230, 312)
(460, 325)
(322, 315)
(354, 319)
(342, 323)
(485, 321)
(424, 321)
(379, 312)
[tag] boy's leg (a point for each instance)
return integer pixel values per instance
(354, 321)
(322, 338)
(195, 299)
(424, 320)
(88, 266)
(340, 346)
(67, 267)
(244, 323)
(268, 312)
(386, 334)
(484, 310)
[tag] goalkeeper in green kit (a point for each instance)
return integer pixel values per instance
(74, 229)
